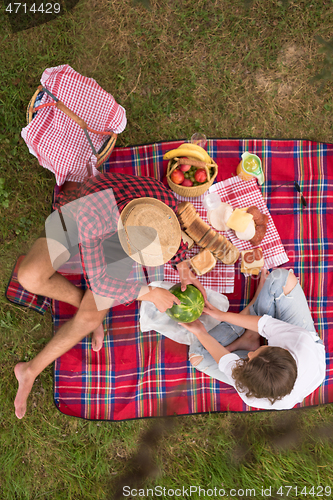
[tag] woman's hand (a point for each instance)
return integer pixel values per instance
(163, 299)
(195, 327)
(212, 311)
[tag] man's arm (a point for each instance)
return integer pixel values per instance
(160, 297)
(187, 277)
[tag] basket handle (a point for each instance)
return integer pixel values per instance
(60, 105)
(195, 163)
(207, 172)
(174, 166)
(188, 162)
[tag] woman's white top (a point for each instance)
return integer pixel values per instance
(308, 353)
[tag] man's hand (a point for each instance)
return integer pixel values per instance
(188, 278)
(195, 327)
(163, 299)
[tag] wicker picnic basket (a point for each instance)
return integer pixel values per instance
(193, 191)
(106, 149)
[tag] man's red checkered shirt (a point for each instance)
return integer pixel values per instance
(97, 219)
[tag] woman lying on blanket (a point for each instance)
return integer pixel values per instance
(274, 376)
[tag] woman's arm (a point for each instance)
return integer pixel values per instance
(239, 319)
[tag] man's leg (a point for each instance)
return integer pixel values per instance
(37, 274)
(86, 320)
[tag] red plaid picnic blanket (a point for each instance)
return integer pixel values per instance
(58, 142)
(141, 375)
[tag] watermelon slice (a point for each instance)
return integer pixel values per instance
(191, 307)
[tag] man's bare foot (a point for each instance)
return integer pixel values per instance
(98, 338)
(25, 381)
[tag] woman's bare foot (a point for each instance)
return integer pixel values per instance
(263, 276)
(25, 380)
(249, 341)
(98, 338)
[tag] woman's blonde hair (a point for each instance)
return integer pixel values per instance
(271, 374)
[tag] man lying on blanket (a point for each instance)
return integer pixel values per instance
(88, 221)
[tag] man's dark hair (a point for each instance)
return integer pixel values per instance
(271, 374)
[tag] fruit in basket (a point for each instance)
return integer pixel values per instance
(185, 168)
(194, 147)
(191, 307)
(187, 183)
(200, 175)
(177, 176)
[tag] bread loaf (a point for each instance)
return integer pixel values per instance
(204, 236)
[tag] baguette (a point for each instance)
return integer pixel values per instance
(187, 218)
(207, 238)
(182, 207)
(212, 241)
(219, 244)
(197, 229)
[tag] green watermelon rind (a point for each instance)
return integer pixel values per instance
(193, 309)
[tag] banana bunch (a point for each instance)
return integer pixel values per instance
(189, 150)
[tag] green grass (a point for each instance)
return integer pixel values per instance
(230, 69)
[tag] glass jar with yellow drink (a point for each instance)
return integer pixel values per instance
(250, 167)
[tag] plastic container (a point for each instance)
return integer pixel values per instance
(199, 139)
(218, 212)
(249, 167)
(211, 201)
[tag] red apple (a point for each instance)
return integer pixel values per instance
(177, 176)
(185, 168)
(200, 175)
(187, 183)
